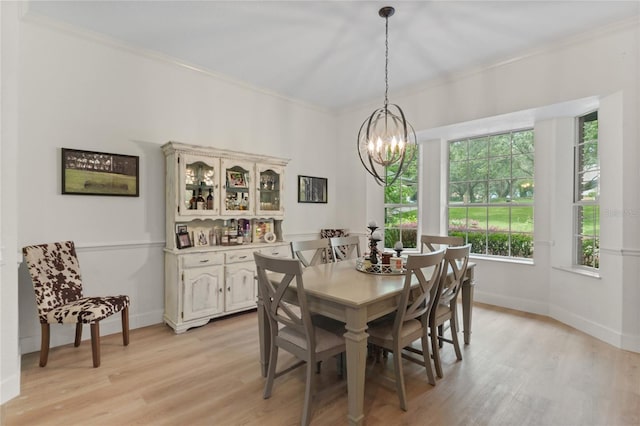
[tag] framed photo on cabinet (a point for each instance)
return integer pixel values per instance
(312, 189)
(183, 240)
(236, 179)
(100, 173)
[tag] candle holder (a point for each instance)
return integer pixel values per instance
(373, 246)
(398, 248)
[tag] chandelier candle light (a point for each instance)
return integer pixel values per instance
(386, 138)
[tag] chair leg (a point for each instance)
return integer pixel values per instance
(95, 343)
(397, 366)
(435, 349)
(76, 343)
(273, 362)
(44, 344)
(125, 326)
(426, 355)
(454, 338)
(308, 394)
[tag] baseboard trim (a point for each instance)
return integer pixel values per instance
(10, 387)
(606, 334)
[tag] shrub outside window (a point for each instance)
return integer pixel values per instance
(490, 193)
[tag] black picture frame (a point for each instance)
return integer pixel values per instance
(100, 173)
(312, 189)
(183, 240)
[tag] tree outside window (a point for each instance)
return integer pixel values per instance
(490, 193)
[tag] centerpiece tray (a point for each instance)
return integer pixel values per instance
(365, 266)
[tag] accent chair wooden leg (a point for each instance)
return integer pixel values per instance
(125, 326)
(44, 344)
(76, 343)
(95, 343)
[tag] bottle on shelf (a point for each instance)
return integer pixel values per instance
(200, 200)
(225, 235)
(244, 202)
(192, 202)
(210, 200)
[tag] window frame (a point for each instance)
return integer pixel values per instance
(510, 203)
(414, 205)
(579, 203)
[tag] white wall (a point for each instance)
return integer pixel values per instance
(79, 92)
(9, 348)
(601, 65)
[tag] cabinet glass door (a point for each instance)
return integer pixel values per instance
(199, 186)
(269, 190)
(237, 177)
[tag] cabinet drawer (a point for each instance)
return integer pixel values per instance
(198, 260)
(236, 256)
(277, 251)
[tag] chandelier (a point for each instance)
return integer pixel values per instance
(386, 140)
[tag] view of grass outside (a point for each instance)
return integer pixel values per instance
(491, 189)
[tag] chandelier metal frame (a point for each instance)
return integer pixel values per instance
(385, 137)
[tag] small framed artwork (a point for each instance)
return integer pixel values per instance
(100, 173)
(236, 179)
(183, 240)
(201, 237)
(312, 189)
(181, 228)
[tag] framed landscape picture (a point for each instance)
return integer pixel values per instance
(99, 173)
(312, 189)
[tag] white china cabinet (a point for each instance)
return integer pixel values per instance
(221, 207)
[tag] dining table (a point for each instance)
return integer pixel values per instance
(340, 291)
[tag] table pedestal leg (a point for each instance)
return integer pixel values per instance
(356, 341)
(467, 305)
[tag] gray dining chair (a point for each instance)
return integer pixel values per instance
(344, 248)
(437, 242)
(311, 252)
(456, 260)
(290, 326)
(410, 322)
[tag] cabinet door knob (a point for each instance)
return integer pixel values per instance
(228, 288)
(220, 290)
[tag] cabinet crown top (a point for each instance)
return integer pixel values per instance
(209, 151)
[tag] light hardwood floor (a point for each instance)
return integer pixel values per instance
(520, 369)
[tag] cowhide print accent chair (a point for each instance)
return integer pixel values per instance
(55, 273)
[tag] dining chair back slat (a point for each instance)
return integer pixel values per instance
(437, 242)
(311, 252)
(344, 248)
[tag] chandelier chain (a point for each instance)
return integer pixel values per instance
(386, 61)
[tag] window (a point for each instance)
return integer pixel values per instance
(490, 194)
(401, 205)
(586, 194)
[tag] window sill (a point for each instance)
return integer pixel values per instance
(579, 271)
(519, 261)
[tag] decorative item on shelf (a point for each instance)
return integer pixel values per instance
(372, 226)
(398, 247)
(386, 141)
(373, 246)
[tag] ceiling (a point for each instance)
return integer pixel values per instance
(331, 53)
